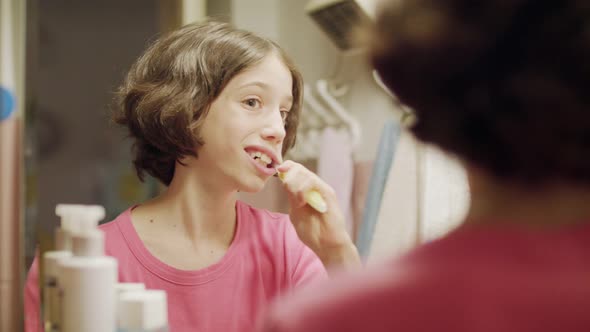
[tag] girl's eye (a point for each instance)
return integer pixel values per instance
(252, 102)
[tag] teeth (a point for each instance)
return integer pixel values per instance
(261, 158)
(266, 159)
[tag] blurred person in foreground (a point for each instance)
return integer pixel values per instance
(505, 86)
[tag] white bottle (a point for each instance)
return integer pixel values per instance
(124, 287)
(143, 311)
(50, 278)
(88, 278)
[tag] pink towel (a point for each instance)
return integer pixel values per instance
(335, 166)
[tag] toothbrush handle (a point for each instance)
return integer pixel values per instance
(316, 201)
(312, 197)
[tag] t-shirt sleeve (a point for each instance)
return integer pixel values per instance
(32, 299)
(306, 267)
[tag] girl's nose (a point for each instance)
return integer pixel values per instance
(275, 128)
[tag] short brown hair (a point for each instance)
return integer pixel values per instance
(505, 85)
(168, 90)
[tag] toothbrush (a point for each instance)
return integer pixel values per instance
(312, 197)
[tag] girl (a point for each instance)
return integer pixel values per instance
(212, 110)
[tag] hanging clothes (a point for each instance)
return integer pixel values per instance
(445, 193)
(426, 196)
(336, 167)
(385, 152)
(397, 227)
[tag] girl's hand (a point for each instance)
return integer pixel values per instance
(324, 233)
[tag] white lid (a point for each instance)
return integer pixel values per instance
(78, 231)
(129, 286)
(67, 214)
(89, 243)
(77, 264)
(79, 218)
(88, 217)
(145, 309)
(61, 210)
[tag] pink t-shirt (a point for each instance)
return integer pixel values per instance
(265, 260)
(477, 279)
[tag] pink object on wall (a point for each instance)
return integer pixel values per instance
(335, 166)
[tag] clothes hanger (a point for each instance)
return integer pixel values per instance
(310, 122)
(309, 119)
(317, 107)
(339, 111)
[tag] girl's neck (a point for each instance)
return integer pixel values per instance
(197, 202)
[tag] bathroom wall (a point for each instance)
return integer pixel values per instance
(84, 48)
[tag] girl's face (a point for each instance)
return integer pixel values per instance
(244, 129)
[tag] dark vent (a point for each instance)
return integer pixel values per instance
(339, 21)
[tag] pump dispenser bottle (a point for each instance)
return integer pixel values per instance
(88, 278)
(49, 279)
